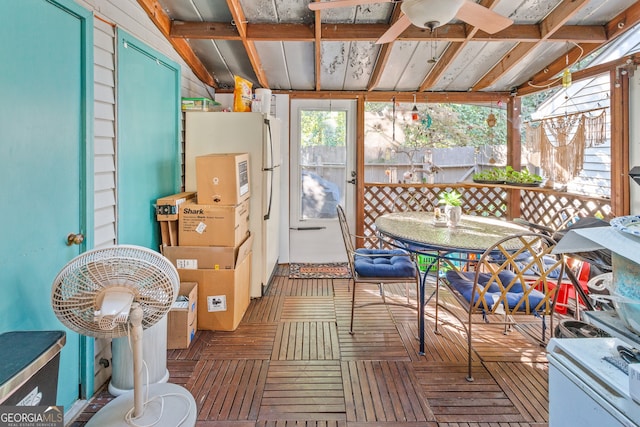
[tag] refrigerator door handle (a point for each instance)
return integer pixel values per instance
(268, 214)
(270, 168)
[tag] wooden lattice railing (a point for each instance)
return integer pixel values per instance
(537, 205)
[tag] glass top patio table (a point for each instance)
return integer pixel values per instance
(418, 232)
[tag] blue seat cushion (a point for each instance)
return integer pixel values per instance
(548, 262)
(383, 263)
(463, 283)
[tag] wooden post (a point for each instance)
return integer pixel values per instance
(620, 203)
(359, 168)
(514, 151)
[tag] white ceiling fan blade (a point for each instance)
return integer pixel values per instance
(319, 5)
(485, 19)
(395, 30)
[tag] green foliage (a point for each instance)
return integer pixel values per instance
(325, 128)
(530, 103)
(443, 125)
(492, 175)
(509, 175)
(522, 177)
(450, 198)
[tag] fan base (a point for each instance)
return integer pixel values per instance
(178, 404)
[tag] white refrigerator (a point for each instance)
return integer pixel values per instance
(258, 135)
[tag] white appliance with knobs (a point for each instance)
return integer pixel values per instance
(588, 380)
(584, 388)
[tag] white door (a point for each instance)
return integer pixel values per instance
(322, 176)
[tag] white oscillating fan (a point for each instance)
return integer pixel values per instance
(115, 292)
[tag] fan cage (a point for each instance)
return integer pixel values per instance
(151, 277)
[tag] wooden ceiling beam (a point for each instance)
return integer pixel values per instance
(161, 20)
(371, 32)
(241, 23)
(548, 76)
(451, 52)
(204, 30)
(549, 25)
(619, 25)
(384, 96)
(383, 55)
(624, 21)
(317, 37)
(441, 66)
(585, 73)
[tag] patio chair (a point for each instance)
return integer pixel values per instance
(416, 201)
(378, 267)
(574, 283)
(503, 287)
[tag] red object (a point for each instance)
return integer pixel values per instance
(414, 113)
(567, 291)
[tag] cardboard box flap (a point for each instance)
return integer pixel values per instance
(207, 257)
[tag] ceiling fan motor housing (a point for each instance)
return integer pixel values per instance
(430, 13)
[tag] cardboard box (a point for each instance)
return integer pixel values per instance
(223, 295)
(222, 179)
(182, 321)
(213, 225)
(167, 208)
(169, 233)
(207, 257)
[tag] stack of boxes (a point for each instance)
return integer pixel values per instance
(213, 241)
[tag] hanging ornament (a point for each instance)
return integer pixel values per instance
(415, 115)
(566, 74)
(427, 121)
(566, 78)
(491, 119)
(393, 119)
(434, 56)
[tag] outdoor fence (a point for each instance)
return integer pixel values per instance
(536, 204)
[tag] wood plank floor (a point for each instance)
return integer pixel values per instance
(293, 362)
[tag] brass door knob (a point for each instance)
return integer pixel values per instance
(75, 239)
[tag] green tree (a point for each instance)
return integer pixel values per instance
(320, 127)
(443, 125)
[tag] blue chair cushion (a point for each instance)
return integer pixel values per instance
(383, 263)
(548, 262)
(463, 283)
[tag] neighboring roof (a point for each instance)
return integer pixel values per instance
(591, 96)
(581, 95)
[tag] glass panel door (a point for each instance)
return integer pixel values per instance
(322, 176)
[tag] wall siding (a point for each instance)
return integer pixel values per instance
(109, 15)
(593, 93)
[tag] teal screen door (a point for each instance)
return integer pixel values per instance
(46, 82)
(148, 143)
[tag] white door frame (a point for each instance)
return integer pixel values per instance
(319, 240)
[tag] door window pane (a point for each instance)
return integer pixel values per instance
(323, 155)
